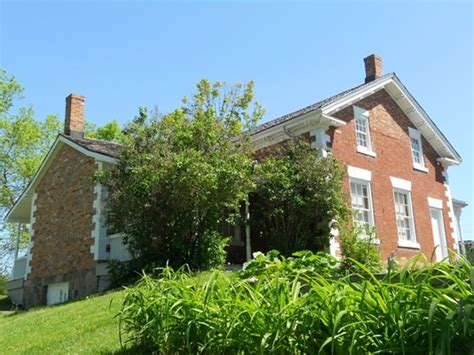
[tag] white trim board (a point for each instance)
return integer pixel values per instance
(358, 173)
(435, 203)
(401, 184)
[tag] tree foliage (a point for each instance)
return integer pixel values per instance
(111, 132)
(298, 198)
(182, 174)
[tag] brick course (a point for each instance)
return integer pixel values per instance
(391, 143)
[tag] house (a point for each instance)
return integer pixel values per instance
(397, 175)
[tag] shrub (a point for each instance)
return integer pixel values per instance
(414, 310)
(3, 284)
(359, 246)
(298, 198)
(302, 262)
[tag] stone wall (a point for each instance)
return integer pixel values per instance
(63, 225)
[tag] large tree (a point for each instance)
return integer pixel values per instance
(183, 174)
(24, 141)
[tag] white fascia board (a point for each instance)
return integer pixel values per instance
(425, 120)
(447, 161)
(333, 121)
(283, 131)
(421, 119)
(299, 125)
(27, 193)
(357, 95)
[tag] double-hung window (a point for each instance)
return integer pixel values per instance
(362, 130)
(362, 203)
(416, 149)
(404, 213)
(361, 196)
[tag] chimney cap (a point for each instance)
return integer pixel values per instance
(76, 96)
(373, 67)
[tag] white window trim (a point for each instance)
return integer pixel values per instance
(360, 112)
(364, 150)
(369, 195)
(358, 173)
(400, 184)
(435, 203)
(408, 244)
(415, 134)
(413, 244)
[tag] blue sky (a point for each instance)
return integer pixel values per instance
(122, 55)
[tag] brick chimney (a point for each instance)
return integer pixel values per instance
(373, 67)
(74, 118)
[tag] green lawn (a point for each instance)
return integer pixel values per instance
(86, 326)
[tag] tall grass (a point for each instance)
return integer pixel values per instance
(411, 311)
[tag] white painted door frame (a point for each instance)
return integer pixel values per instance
(439, 235)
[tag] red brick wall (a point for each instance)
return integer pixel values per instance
(391, 143)
(63, 216)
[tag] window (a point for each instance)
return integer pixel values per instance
(404, 216)
(362, 203)
(416, 149)
(364, 144)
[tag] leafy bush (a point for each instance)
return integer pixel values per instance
(414, 310)
(298, 197)
(359, 246)
(183, 174)
(122, 273)
(302, 262)
(3, 284)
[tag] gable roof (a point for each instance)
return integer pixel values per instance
(106, 148)
(302, 111)
(317, 113)
(101, 151)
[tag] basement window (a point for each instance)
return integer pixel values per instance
(417, 149)
(362, 130)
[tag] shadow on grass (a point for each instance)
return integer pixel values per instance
(126, 351)
(5, 304)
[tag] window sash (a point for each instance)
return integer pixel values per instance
(362, 134)
(404, 216)
(416, 147)
(361, 202)
(416, 151)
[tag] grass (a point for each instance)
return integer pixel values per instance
(87, 326)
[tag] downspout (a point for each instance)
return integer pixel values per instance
(17, 243)
(248, 247)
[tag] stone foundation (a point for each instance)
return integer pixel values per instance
(81, 284)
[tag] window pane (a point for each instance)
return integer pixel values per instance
(403, 215)
(416, 150)
(362, 132)
(360, 195)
